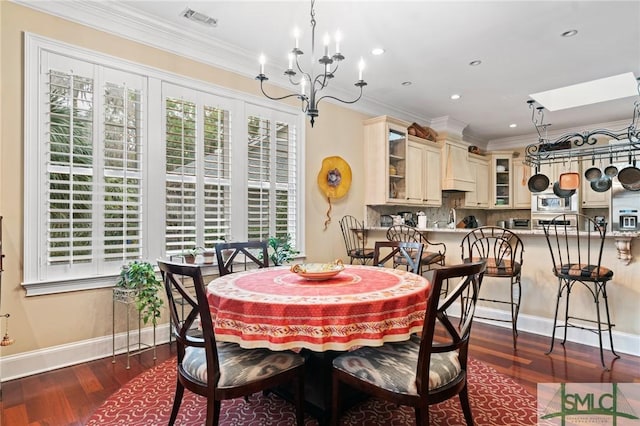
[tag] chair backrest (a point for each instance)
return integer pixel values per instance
(252, 253)
(500, 247)
(579, 245)
(465, 295)
(409, 252)
(403, 233)
(351, 227)
(197, 315)
(411, 234)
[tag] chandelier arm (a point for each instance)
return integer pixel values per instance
(340, 100)
(281, 97)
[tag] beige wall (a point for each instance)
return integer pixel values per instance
(43, 321)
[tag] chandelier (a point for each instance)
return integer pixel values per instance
(312, 84)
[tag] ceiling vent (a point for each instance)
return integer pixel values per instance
(200, 18)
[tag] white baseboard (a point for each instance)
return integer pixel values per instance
(38, 361)
(52, 358)
(624, 343)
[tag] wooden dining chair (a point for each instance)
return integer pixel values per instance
(419, 372)
(400, 253)
(221, 371)
(246, 254)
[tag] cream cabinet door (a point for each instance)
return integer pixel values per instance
(432, 175)
(591, 198)
(416, 185)
(423, 174)
(521, 193)
(479, 197)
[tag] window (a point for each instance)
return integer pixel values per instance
(271, 175)
(124, 162)
(198, 184)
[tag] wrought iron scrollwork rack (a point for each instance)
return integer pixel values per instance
(575, 146)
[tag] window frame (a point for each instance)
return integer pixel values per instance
(153, 167)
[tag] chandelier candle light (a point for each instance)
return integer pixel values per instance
(312, 84)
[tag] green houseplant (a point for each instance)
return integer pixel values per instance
(281, 250)
(140, 278)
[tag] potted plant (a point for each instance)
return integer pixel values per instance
(280, 250)
(139, 281)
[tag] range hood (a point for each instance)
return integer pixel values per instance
(456, 173)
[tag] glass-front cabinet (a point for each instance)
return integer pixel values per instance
(397, 182)
(400, 169)
(501, 177)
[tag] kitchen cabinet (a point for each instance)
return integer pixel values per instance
(423, 172)
(400, 169)
(521, 193)
(591, 198)
(385, 161)
(479, 197)
(501, 180)
(456, 174)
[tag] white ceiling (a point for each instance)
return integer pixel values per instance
(429, 43)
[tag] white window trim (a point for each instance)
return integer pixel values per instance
(153, 206)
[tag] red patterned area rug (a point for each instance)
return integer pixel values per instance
(496, 400)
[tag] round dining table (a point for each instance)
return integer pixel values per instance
(278, 309)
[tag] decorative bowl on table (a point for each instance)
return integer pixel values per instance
(318, 271)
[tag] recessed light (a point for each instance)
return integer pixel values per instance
(406, 83)
(513, 125)
(475, 63)
(569, 33)
(377, 51)
(455, 96)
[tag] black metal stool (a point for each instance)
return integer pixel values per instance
(576, 243)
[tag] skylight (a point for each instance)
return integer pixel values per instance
(590, 92)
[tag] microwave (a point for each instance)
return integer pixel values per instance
(548, 202)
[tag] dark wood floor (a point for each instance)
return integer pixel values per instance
(70, 395)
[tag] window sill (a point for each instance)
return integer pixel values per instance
(38, 288)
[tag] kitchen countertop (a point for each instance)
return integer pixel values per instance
(519, 231)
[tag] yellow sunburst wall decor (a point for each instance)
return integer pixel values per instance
(334, 180)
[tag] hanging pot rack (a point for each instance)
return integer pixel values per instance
(575, 146)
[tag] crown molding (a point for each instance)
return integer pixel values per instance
(122, 21)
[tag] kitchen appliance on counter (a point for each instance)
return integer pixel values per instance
(547, 205)
(386, 221)
(516, 223)
(409, 218)
(625, 208)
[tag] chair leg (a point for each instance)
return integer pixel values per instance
(213, 413)
(335, 401)
(466, 406)
(555, 317)
(422, 416)
(177, 400)
(606, 307)
(515, 308)
(299, 400)
(566, 311)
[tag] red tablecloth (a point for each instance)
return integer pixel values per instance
(276, 309)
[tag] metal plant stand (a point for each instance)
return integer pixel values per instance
(127, 297)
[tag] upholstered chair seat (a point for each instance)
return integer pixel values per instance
(393, 366)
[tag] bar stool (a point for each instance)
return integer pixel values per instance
(355, 240)
(575, 242)
(502, 249)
